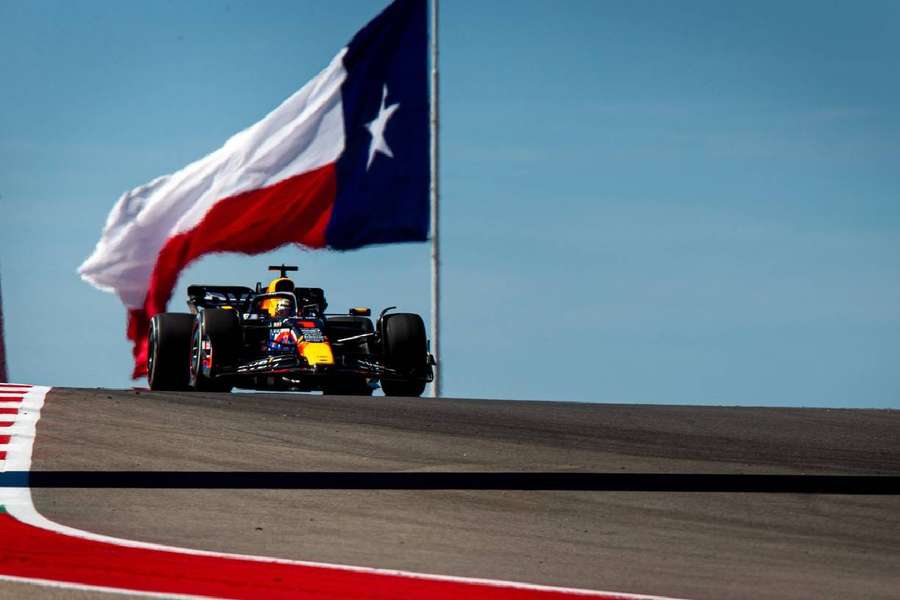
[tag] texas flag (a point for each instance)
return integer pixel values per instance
(342, 163)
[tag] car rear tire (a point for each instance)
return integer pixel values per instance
(169, 351)
(406, 351)
(222, 329)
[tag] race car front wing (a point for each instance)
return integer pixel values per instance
(288, 364)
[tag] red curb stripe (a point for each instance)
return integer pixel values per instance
(9, 411)
(28, 551)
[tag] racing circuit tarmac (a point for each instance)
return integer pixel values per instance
(277, 480)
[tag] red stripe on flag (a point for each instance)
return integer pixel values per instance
(4, 439)
(6, 423)
(28, 551)
(9, 411)
(296, 210)
(2, 454)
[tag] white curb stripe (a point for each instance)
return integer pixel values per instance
(23, 417)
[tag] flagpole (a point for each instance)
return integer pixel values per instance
(435, 205)
(3, 372)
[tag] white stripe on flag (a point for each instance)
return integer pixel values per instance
(304, 133)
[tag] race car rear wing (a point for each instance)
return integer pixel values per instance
(243, 298)
(217, 296)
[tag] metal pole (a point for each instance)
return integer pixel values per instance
(435, 207)
(3, 374)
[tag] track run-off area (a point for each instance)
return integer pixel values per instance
(308, 496)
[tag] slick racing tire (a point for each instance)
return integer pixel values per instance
(405, 350)
(216, 337)
(169, 351)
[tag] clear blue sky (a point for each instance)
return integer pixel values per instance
(666, 202)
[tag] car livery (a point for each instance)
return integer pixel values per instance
(281, 338)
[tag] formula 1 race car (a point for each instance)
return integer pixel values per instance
(281, 338)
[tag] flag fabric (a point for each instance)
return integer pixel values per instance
(342, 163)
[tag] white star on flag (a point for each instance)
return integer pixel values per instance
(377, 127)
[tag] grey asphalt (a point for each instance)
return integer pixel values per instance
(679, 543)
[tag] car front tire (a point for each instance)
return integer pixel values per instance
(405, 350)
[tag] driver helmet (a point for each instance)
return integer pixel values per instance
(284, 308)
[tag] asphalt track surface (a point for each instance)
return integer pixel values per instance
(460, 487)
